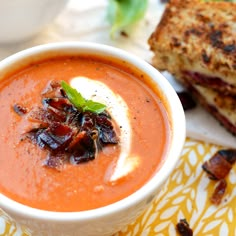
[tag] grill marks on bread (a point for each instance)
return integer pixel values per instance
(196, 42)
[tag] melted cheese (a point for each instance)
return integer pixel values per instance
(211, 97)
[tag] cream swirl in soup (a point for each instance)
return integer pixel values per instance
(118, 109)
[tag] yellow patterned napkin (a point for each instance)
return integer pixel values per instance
(185, 195)
(8, 227)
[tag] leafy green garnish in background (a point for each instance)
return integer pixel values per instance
(80, 102)
(123, 13)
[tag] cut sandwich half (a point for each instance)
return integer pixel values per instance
(196, 42)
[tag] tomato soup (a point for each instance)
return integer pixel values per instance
(85, 186)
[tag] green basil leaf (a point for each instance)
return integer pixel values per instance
(94, 106)
(123, 13)
(75, 98)
(80, 102)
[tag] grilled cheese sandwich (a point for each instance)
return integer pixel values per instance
(196, 42)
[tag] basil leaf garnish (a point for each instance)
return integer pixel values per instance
(123, 13)
(80, 102)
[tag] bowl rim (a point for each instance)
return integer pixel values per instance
(178, 125)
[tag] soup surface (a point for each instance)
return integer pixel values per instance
(87, 185)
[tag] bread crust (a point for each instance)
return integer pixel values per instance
(197, 36)
(196, 42)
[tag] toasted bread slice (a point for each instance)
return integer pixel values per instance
(197, 40)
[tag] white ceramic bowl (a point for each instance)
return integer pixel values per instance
(112, 218)
(22, 19)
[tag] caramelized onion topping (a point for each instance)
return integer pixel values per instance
(217, 168)
(68, 134)
(183, 228)
(219, 192)
(19, 109)
(220, 164)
